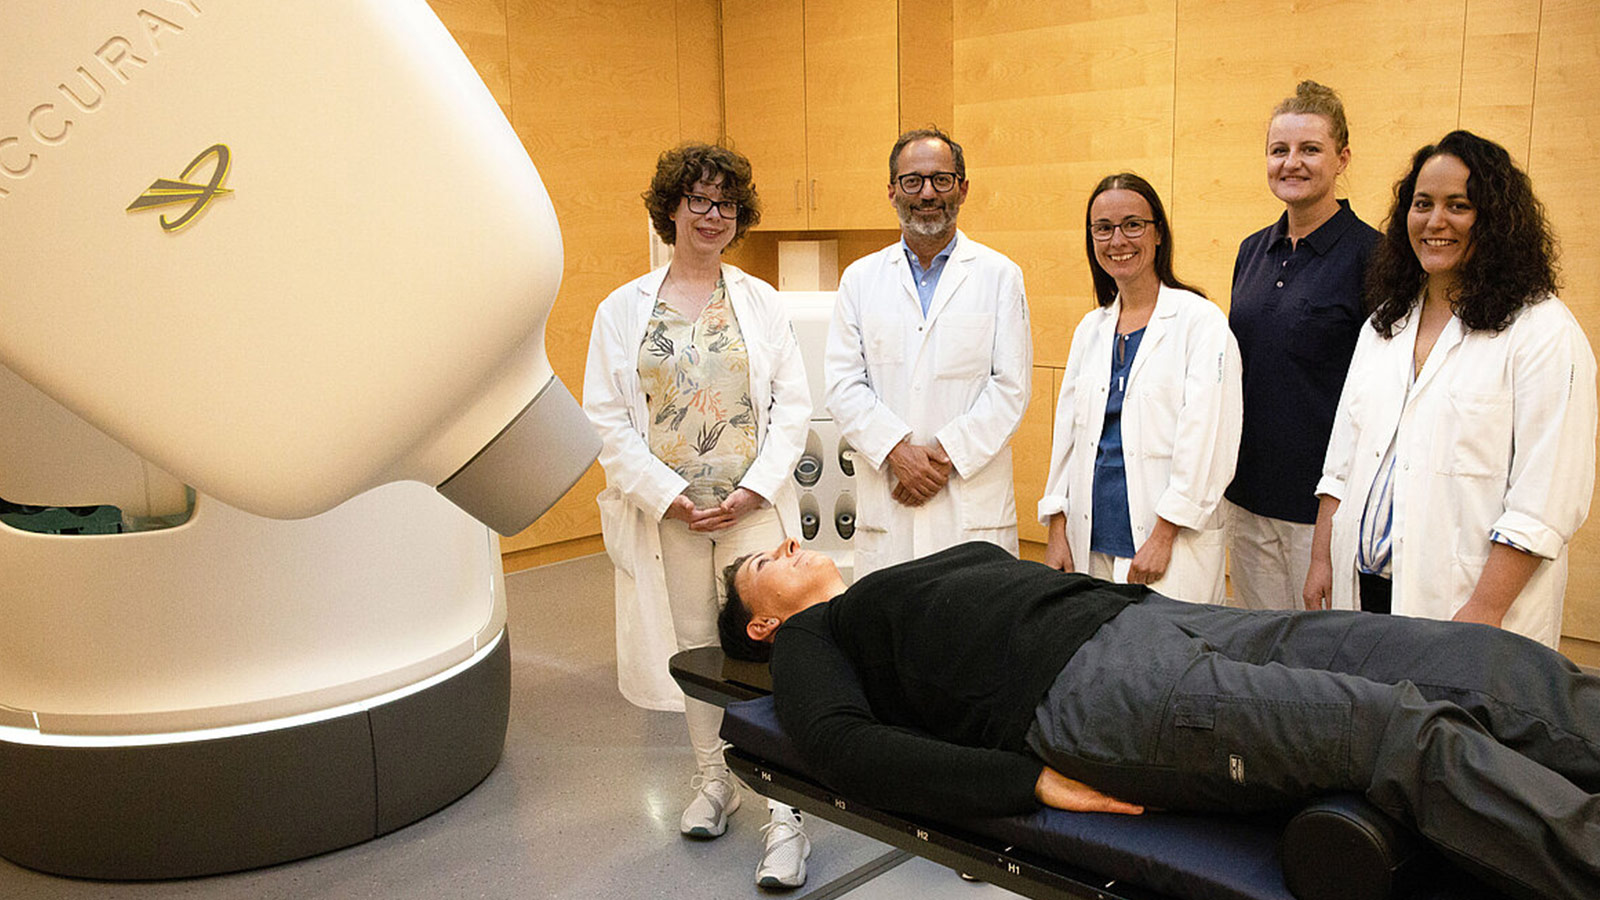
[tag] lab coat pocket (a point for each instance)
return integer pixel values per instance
(1158, 403)
(883, 339)
(618, 528)
(965, 346)
(1475, 440)
(873, 506)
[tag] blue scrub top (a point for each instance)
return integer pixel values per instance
(1110, 526)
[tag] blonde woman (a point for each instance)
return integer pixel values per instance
(1296, 310)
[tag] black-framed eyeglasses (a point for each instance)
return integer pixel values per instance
(1132, 228)
(701, 205)
(943, 182)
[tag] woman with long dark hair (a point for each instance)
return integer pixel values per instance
(1147, 423)
(1462, 457)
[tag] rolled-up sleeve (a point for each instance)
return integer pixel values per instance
(1553, 433)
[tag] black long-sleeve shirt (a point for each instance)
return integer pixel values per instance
(914, 689)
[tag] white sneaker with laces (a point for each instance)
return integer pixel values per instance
(715, 798)
(783, 861)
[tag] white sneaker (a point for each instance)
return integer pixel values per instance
(715, 798)
(783, 862)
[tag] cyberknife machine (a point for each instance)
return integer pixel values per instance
(276, 277)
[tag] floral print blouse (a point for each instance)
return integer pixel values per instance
(696, 379)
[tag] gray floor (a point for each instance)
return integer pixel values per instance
(584, 803)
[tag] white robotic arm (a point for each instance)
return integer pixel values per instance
(285, 251)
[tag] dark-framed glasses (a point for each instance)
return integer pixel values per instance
(943, 182)
(1132, 228)
(701, 205)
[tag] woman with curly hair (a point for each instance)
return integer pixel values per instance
(695, 384)
(1463, 450)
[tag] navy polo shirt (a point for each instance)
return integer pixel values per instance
(1296, 313)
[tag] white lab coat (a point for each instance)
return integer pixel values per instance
(1180, 435)
(960, 375)
(1497, 434)
(640, 487)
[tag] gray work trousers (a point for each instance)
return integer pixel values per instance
(1486, 742)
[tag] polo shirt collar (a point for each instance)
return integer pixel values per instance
(1327, 234)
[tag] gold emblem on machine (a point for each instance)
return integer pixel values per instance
(166, 191)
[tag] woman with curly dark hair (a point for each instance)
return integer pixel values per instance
(1462, 457)
(695, 384)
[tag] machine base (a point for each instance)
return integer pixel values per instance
(183, 809)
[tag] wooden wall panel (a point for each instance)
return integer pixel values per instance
(852, 108)
(1562, 161)
(1237, 60)
(927, 64)
(1049, 98)
(699, 70)
(764, 67)
(1030, 454)
(1498, 72)
(1035, 445)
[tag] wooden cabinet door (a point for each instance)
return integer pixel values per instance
(764, 95)
(852, 110)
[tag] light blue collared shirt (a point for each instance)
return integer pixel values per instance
(927, 281)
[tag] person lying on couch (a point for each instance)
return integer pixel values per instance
(970, 683)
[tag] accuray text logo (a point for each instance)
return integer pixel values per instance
(117, 60)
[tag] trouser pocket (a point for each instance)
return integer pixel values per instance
(1245, 752)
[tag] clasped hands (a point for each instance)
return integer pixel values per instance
(920, 472)
(715, 518)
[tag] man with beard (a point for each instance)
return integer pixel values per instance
(928, 368)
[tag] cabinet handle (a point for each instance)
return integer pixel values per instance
(813, 195)
(797, 206)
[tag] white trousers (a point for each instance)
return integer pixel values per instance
(1267, 560)
(1106, 567)
(694, 562)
